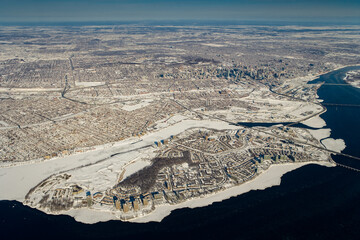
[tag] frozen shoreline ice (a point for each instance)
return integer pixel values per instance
(336, 145)
(315, 122)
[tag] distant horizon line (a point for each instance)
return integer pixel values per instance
(174, 22)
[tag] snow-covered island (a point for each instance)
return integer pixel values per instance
(188, 163)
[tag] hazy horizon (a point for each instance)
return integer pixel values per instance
(47, 11)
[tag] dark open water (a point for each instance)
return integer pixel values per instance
(312, 202)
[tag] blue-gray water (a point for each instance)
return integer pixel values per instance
(312, 202)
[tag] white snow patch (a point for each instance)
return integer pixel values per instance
(320, 133)
(336, 145)
(133, 107)
(213, 45)
(135, 167)
(90, 216)
(315, 122)
(170, 121)
(88, 84)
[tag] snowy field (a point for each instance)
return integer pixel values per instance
(131, 107)
(88, 84)
(336, 145)
(315, 122)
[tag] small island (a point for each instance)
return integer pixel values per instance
(196, 164)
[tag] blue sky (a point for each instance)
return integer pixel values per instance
(124, 10)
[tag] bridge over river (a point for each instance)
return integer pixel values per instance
(340, 105)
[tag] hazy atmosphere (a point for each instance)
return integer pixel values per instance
(126, 10)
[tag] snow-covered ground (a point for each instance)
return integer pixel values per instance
(135, 166)
(98, 169)
(269, 178)
(320, 133)
(132, 107)
(315, 122)
(336, 145)
(213, 45)
(88, 84)
(16, 181)
(170, 121)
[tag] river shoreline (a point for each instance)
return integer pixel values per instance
(269, 178)
(83, 215)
